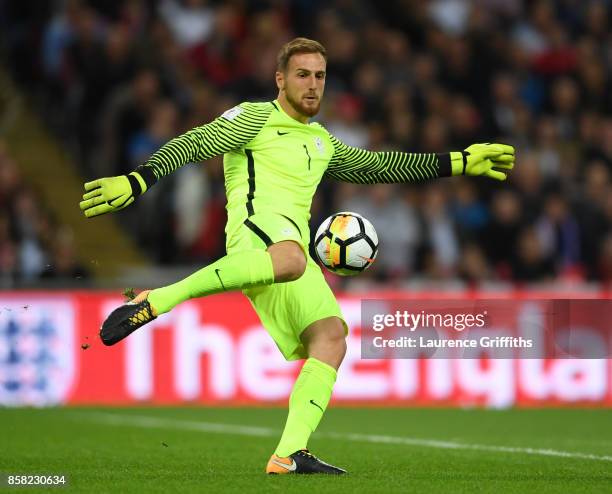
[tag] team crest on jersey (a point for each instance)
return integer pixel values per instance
(232, 113)
(319, 144)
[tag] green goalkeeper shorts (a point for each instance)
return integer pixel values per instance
(286, 309)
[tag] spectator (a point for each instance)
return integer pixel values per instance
(469, 213)
(126, 115)
(26, 231)
(473, 267)
(161, 127)
(499, 237)
(344, 121)
(530, 263)
(559, 234)
(63, 265)
(442, 244)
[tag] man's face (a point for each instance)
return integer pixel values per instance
(303, 82)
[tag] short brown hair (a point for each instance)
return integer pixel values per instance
(295, 46)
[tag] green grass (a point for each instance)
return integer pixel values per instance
(100, 456)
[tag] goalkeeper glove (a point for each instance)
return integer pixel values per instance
(483, 159)
(111, 194)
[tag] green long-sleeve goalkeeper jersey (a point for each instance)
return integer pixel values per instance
(273, 163)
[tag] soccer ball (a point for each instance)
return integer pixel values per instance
(346, 243)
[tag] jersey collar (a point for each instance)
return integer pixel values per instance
(277, 104)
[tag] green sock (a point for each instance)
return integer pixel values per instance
(235, 271)
(308, 401)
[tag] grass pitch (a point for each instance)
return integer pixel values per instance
(385, 450)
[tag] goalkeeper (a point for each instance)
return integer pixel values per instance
(274, 160)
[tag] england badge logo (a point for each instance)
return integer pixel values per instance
(37, 364)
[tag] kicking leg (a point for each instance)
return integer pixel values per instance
(281, 262)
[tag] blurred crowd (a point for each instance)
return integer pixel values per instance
(33, 246)
(117, 79)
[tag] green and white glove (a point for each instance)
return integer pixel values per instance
(490, 160)
(111, 194)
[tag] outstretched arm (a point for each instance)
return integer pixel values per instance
(232, 130)
(355, 165)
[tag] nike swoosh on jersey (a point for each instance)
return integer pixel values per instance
(291, 467)
(281, 133)
(220, 280)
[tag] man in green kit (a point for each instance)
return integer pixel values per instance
(274, 160)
